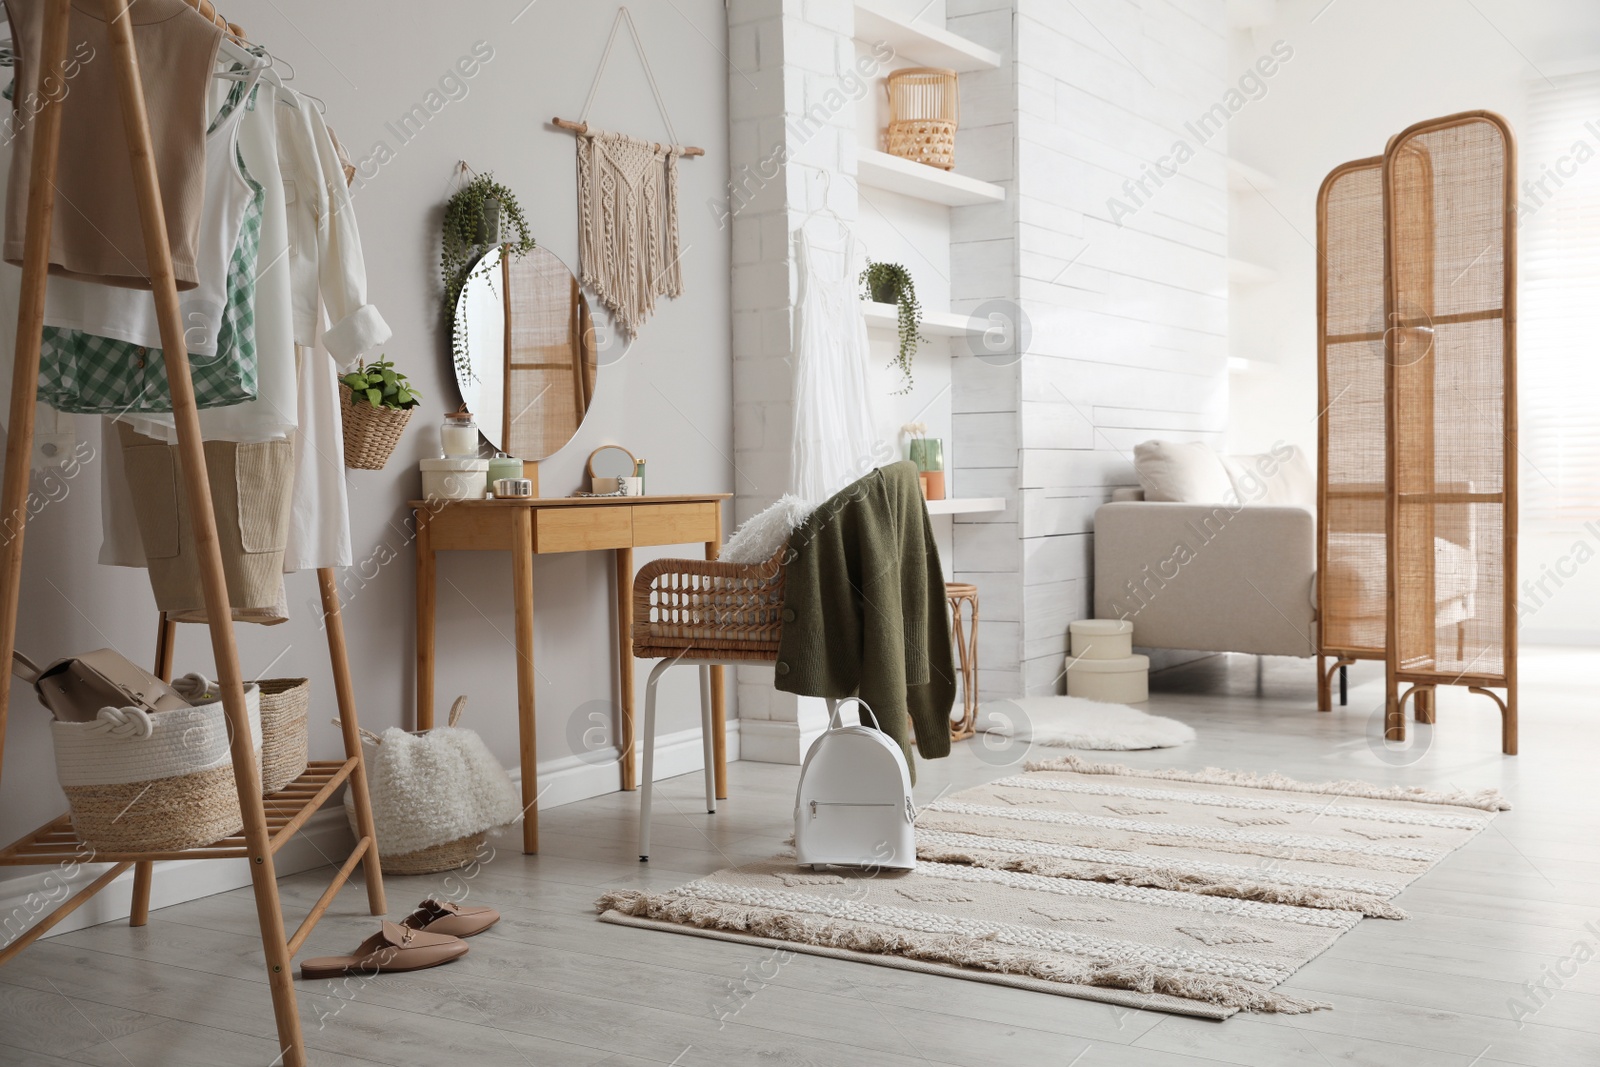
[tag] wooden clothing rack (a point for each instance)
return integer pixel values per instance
(270, 822)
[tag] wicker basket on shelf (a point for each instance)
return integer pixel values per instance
(924, 110)
(285, 703)
(370, 433)
(690, 607)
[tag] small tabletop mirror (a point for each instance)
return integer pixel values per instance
(532, 361)
(611, 461)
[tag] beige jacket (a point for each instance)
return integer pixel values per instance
(95, 234)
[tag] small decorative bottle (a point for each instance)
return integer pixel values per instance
(638, 472)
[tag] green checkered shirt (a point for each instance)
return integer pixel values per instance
(92, 375)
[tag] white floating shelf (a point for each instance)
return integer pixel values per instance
(1243, 272)
(923, 43)
(880, 170)
(1243, 178)
(934, 323)
(967, 505)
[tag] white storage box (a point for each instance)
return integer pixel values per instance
(1113, 681)
(1101, 638)
(454, 479)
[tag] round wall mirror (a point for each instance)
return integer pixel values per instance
(530, 373)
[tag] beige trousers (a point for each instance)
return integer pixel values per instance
(251, 484)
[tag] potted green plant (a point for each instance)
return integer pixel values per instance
(890, 283)
(482, 214)
(376, 402)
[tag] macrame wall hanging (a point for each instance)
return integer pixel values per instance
(628, 206)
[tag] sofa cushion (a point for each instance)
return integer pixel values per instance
(1281, 477)
(1181, 472)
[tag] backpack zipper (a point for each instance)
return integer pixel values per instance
(848, 804)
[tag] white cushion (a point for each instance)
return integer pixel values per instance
(759, 537)
(1281, 477)
(1184, 473)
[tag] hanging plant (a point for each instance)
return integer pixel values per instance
(890, 283)
(482, 214)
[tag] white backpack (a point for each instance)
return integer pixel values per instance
(853, 807)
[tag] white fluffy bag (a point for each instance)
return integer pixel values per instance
(440, 787)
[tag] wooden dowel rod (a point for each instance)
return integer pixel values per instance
(30, 324)
(72, 904)
(311, 807)
(583, 127)
(310, 921)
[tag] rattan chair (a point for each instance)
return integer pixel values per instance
(706, 613)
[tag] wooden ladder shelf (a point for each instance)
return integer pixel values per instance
(269, 822)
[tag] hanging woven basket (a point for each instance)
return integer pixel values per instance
(370, 434)
(924, 111)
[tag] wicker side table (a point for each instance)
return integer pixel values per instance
(966, 642)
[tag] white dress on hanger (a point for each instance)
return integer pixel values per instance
(835, 439)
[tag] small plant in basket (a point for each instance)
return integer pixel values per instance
(377, 404)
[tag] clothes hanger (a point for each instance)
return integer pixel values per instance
(845, 232)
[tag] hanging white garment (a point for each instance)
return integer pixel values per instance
(325, 260)
(319, 515)
(834, 421)
(130, 314)
(54, 432)
(274, 412)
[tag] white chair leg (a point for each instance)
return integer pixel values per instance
(647, 783)
(707, 731)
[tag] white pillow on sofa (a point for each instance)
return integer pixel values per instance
(1281, 477)
(1181, 472)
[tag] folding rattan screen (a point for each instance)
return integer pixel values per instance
(1450, 266)
(1352, 550)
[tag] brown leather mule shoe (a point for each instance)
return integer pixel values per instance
(443, 917)
(393, 949)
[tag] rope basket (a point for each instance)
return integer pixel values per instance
(924, 111)
(734, 610)
(285, 703)
(159, 781)
(370, 434)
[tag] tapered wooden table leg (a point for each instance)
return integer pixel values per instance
(522, 598)
(719, 696)
(426, 605)
(625, 740)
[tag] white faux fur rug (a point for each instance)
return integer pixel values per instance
(1072, 722)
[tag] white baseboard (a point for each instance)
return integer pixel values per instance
(774, 741)
(326, 837)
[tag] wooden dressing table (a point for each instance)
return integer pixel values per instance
(562, 524)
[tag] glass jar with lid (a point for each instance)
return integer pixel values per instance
(458, 435)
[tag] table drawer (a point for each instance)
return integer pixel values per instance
(582, 529)
(675, 524)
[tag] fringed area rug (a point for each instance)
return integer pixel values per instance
(1195, 892)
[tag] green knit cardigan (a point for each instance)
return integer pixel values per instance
(864, 610)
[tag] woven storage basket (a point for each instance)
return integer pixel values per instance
(370, 434)
(158, 781)
(284, 749)
(429, 784)
(450, 856)
(924, 111)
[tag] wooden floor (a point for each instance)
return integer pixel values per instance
(550, 985)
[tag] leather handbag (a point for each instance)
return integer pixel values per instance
(76, 688)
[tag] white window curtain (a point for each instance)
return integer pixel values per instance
(1558, 345)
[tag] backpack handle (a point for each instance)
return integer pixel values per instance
(863, 710)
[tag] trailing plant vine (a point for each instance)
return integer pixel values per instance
(890, 283)
(482, 213)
